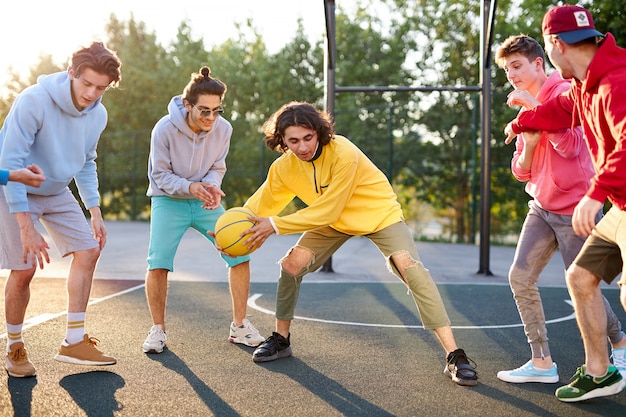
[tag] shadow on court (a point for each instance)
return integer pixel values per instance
(359, 350)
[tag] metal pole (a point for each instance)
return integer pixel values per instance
(329, 84)
(487, 13)
(330, 88)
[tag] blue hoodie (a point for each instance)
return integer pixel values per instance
(44, 127)
(180, 157)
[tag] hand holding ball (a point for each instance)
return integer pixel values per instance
(229, 227)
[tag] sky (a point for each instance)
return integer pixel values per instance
(29, 28)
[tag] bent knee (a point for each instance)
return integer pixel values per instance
(579, 279)
(297, 259)
(402, 260)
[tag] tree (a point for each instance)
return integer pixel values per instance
(15, 83)
(133, 110)
(609, 16)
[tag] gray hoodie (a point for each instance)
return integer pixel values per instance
(179, 157)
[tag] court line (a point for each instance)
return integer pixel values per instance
(42, 318)
(252, 304)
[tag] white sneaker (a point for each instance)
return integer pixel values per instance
(619, 360)
(155, 342)
(246, 334)
(528, 373)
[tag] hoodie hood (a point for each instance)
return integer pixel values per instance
(609, 57)
(553, 83)
(58, 87)
(178, 117)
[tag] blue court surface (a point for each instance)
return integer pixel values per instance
(359, 349)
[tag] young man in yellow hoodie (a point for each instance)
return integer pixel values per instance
(346, 195)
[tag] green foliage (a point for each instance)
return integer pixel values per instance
(609, 16)
(15, 84)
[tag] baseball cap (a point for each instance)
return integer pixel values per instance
(571, 23)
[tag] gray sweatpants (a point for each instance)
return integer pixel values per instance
(544, 232)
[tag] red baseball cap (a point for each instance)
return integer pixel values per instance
(571, 23)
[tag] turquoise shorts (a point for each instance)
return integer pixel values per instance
(170, 219)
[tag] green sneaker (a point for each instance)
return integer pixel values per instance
(584, 387)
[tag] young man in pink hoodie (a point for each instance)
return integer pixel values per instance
(596, 100)
(557, 169)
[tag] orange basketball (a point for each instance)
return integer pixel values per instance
(228, 229)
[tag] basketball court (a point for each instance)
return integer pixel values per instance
(359, 349)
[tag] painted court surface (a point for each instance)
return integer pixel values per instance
(359, 349)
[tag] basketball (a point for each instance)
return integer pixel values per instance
(228, 229)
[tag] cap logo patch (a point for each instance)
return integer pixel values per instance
(581, 19)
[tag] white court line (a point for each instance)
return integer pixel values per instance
(42, 318)
(252, 304)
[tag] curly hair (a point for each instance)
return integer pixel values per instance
(297, 113)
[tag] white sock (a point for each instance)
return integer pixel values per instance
(75, 330)
(14, 334)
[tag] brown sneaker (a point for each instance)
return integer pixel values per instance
(84, 353)
(17, 363)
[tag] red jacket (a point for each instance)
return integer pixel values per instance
(561, 169)
(598, 104)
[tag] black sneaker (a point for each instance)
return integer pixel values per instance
(274, 347)
(459, 369)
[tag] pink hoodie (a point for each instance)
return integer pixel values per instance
(561, 169)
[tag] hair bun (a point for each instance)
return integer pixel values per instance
(206, 72)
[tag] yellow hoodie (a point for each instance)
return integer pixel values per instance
(342, 189)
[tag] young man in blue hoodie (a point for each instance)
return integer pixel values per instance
(55, 124)
(187, 163)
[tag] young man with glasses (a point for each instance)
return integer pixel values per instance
(55, 124)
(596, 101)
(346, 196)
(186, 166)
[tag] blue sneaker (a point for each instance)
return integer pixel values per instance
(528, 373)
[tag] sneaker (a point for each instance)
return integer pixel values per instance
(84, 353)
(155, 342)
(459, 369)
(618, 356)
(274, 347)
(246, 334)
(528, 373)
(17, 363)
(584, 387)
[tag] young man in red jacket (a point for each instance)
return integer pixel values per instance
(557, 170)
(597, 101)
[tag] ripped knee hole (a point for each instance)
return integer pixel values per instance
(297, 259)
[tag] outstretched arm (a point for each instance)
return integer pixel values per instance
(31, 175)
